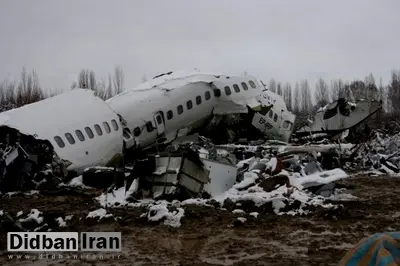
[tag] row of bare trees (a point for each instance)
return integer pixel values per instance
(104, 89)
(301, 99)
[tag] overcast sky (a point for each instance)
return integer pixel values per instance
(285, 39)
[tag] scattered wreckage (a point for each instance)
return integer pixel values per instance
(146, 137)
(70, 132)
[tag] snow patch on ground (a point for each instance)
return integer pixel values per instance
(34, 215)
(160, 211)
(76, 182)
(99, 213)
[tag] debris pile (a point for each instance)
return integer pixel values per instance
(380, 154)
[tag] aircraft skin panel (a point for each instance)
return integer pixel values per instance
(66, 113)
(335, 121)
(138, 105)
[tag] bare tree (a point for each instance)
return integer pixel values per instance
(321, 92)
(297, 98)
(394, 93)
(118, 79)
(279, 89)
(306, 103)
(339, 89)
(287, 96)
(272, 85)
(92, 81)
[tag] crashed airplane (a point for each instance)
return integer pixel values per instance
(338, 117)
(76, 130)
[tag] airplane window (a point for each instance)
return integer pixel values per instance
(189, 104)
(107, 127)
(286, 124)
(244, 85)
(114, 125)
(217, 93)
(80, 135)
(59, 142)
(98, 130)
(198, 100)
(149, 126)
(236, 88)
(70, 138)
(227, 90)
(170, 115)
(159, 119)
(180, 109)
(270, 113)
(275, 117)
(290, 125)
(89, 132)
(252, 84)
(207, 95)
(136, 132)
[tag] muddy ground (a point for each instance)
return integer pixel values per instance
(208, 235)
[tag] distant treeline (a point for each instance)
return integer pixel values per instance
(298, 98)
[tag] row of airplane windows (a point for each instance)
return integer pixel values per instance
(189, 104)
(60, 142)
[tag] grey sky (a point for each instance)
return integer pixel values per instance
(286, 39)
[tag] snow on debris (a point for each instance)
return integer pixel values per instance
(242, 219)
(61, 222)
(34, 215)
(119, 197)
(160, 211)
(99, 213)
(76, 182)
(254, 214)
(324, 177)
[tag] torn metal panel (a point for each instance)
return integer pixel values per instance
(177, 174)
(222, 177)
(65, 116)
(340, 115)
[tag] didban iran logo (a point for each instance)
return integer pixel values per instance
(63, 241)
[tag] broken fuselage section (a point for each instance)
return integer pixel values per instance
(78, 130)
(339, 116)
(221, 107)
(65, 133)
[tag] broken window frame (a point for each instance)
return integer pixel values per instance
(98, 130)
(275, 117)
(137, 131)
(114, 124)
(207, 95)
(170, 115)
(189, 104)
(198, 100)
(227, 90)
(79, 135)
(236, 88)
(217, 93)
(149, 126)
(70, 138)
(287, 125)
(244, 86)
(89, 132)
(270, 114)
(179, 109)
(252, 84)
(106, 127)
(59, 141)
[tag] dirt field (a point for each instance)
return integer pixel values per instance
(208, 236)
